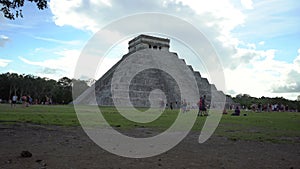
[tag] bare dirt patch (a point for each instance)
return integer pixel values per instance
(57, 147)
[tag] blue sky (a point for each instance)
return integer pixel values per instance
(258, 42)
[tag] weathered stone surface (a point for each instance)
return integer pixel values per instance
(144, 51)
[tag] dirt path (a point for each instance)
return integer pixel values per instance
(55, 147)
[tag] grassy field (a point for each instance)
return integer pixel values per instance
(267, 126)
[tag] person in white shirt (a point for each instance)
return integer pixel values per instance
(14, 101)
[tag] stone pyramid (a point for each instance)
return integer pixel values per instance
(150, 85)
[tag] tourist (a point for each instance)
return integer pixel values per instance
(47, 100)
(259, 107)
(24, 101)
(188, 107)
(184, 106)
(204, 106)
(225, 111)
(171, 105)
(29, 100)
(176, 105)
(14, 101)
(162, 104)
(50, 101)
(200, 107)
(237, 111)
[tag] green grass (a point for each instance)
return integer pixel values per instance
(38, 114)
(267, 126)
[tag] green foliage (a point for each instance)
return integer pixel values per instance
(12, 9)
(246, 101)
(39, 88)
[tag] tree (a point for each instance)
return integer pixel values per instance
(64, 90)
(12, 9)
(14, 84)
(5, 88)
(247, 100)
(40, 88)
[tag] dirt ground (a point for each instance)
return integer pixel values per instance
(56, 147)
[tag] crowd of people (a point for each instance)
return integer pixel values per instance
(187, 106)
(270, 107)
(202, 107)
(265, 107)
(27, 100)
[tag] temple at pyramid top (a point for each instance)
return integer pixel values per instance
(151, 42)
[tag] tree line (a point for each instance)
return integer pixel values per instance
(39, 89)
(60, 91)
(248, 102)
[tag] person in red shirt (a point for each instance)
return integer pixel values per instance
(200, 107)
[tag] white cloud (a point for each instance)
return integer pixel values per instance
(261, 43)
(247, 69)
(3, 40)
(92, 15)
(291, 78)
(297, 61)
(215, 19)
(72, 42)
(264, 76)
(65, 64)
(4, 62)
(248, 4)
(75, 13)
(62, 66)
(222, 14)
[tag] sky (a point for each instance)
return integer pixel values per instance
(257, 41)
